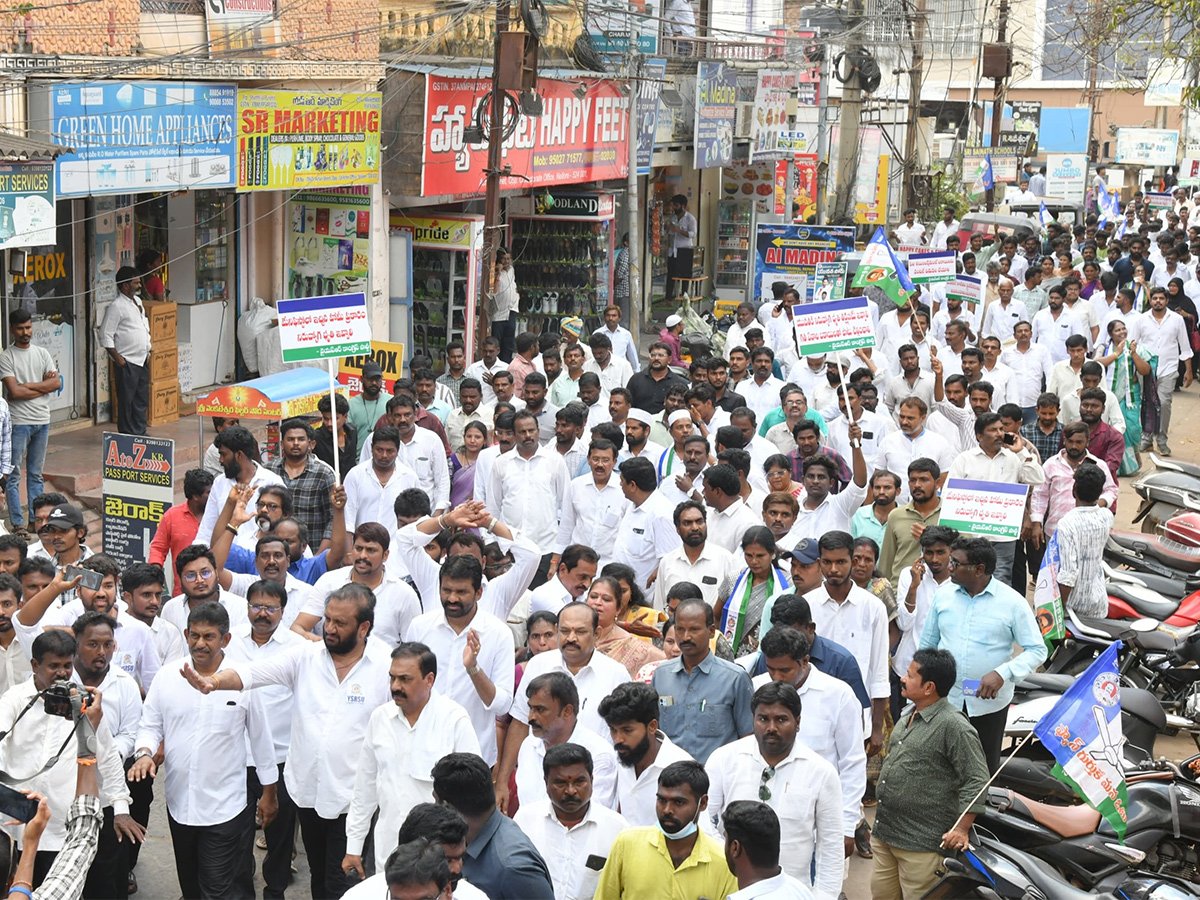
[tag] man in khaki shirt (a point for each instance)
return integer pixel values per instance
(905, 524)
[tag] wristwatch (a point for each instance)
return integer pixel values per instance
(142, 754)
(473, 671)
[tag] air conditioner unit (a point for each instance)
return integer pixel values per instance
(943, 148)
(745, 120)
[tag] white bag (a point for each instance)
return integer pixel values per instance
(254, 320)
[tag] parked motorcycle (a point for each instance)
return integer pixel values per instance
(1172, 488)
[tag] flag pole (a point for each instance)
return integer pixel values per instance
(837, 358)
(987, 784)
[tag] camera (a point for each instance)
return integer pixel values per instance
(59, 702)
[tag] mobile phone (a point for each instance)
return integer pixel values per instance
(15, 804)
(1010, 438)
(971, 686)
(91, 579)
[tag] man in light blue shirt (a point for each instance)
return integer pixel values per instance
(978, 618)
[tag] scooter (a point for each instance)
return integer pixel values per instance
(1173, 487)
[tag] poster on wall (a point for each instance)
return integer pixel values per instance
(770, 111)
(142, 136)
(329, 242)
(871, 185)
(716, 111)
(646, 111)
(241, 26)
(138, 481)
(750, 183)
(294, 139)
(575, 139)
(26, 204)
(804, 187)
(1026, 118)
(787, 252)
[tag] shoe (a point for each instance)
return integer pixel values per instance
(132, 882)
(261, 842)
(1163, 449)
(1146, 444)
(862, 840)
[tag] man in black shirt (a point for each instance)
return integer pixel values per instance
(649, 386)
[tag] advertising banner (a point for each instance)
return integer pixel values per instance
(930, 268)
(296, 139)
(329, 245)
(1066, 176)
(238, 26)
(26, 204)
(390, 358)
(575, 139)
(138, 483)
(716, 111)
(1027, 118)
(1006, 163)
(967, 288)
(804, 187)
(610, 23)
(770, 112)
(833, 325)
(654, 71)
(787, 252)
(1147, 146)
(143, 136)
(830, 281)
(321, 327)
(984, 508)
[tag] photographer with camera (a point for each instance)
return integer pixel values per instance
(38, 714)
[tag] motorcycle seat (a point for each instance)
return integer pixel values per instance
(1065, 821)
(1178, 465)
(1155, 609)
(1152, 546)
(1158, 641)
(1045, 681)
(1114, 628)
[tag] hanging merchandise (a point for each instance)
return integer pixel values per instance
(329, 244)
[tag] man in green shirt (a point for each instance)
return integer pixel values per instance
(367, 407)
(929, 786)
(902, 533)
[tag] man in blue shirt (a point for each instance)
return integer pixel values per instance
(978, 618)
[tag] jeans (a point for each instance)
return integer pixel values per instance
(1166, 389)
(506, 333)
(28, 445)
(1006, 552)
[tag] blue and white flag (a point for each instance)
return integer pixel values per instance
(985, 179)
(1047, 600)
(1083, 733)
(1044, 216)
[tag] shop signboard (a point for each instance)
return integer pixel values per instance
(716, 112)
(288, 140)
(329, 245)
(654, 71)
(576, 139)
(771, 97)
(1066, 175)
(1147, 146)
(323, 327)
(610, 24)
(138, 484)
(798, 141)
(26, 204)
(140, 136)
(787, 252)
(1006, 163)
(242, 26)
(390, 358)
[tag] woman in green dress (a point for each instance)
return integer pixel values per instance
(1124, 368)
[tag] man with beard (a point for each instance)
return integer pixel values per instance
(913, 441)
(807, 435)
(63, 535)
(697, 560)
(567, 826)
(168, 640)
(638, 425)
(569, 423)
(643, 751)
(906, 523)
(420, 449)
(372, 487)
(552, 701)
(686, 484)
(680, 427)
(591, 512)
(871, 521)
(470, 398)
(612, 370)
(566, 386)
(368, 406)
(238, 454)
(673, 858)
(95, 644)
(914, 591)
(396, 603)
(425, 388)
(261, 637)
(803, 788)
(911, 382)
(1055, 497)
(649, 387)
(591, 400)
(198, 578)
(484, 368)
(534, 393)
(1054, 324)
(1104, 441)
(779, 513)
(14, 661)
(273, 516)
(718, 378)
(309, 479)
(212, 824)
(336, 685)
(404, 739)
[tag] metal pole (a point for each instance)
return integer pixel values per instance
(634, 204)
(917, 28)
(998, 96)
(491, 210)
(849, 114)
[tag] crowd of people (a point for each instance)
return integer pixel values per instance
(572, 626)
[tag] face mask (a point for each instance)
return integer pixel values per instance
(685, 832)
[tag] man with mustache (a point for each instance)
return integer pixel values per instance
(404, 739)
(567, 826)
(14, 662)
(643, 750)
(335, 685)
(238, 453)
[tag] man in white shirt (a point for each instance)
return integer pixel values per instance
(168, 640)
(486, 366)
(14, 661)
(761, 391)
(637, 437)
(553, 704)
(624, 347)
(613, 371)
(336, 685)
(911, 382)
(1003, 315)
(125, 334)
(698, 560)
(914, 597)
(848, 615)
(945, 228)
(594, 674)
(570, 826)
(820, 510)
(910, 232)
(470, 398)
(731, 517)
(405, 737)
(647, 532)
(1031, 364)
(502, 431)
(873, 427)
(419, 449)
(206, 739)
(773, 766)
(238, 455)
(912, 441)
(1162, 331)
(683, 227)
(373, 486)
(1054, 324)
(576, 569)
(594, 504)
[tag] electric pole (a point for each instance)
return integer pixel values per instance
(634, 205)
(998, 94)
(495, 160)
(849, 114)
(917, 31)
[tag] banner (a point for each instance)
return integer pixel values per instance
(390, 358)
(833, 325)
(1147, 146)
(804, 186)
(26, 204)
(654, 72)
(130, 137)
(787, 252)
(983, 508)
(1066, 176)
(1159, 201)
(329, 245)
(716, 112)
(968, 288)
(611, 24)
(751, 184)
(931, 268)
(871, 188)
(1047, 600)
(242, 27)
(829, 282)
(1083, 732)
(770, 111)
(575, 139)
(802, 141)
(879, 268)
(781, 178)
(1006, 163)
(1027, 118)
(321, 327)
(294, 139)
(138, 483)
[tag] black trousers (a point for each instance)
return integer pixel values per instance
(133, 397)
(990, 728)
(142, 794)
(108, 876)
(325, 845)
(678, 266)
(211, 860)
(506, 333)
(280, 834)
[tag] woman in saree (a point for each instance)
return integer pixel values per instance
(1124, 369)
(462, 463)
(748, 597)
(604, 596)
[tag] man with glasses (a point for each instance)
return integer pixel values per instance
(803, 788)
(261, 637)
(197, 570)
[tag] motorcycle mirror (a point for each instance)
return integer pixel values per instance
(1144, 625)
(1130, 855)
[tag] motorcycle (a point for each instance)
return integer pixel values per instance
(1173, 487)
